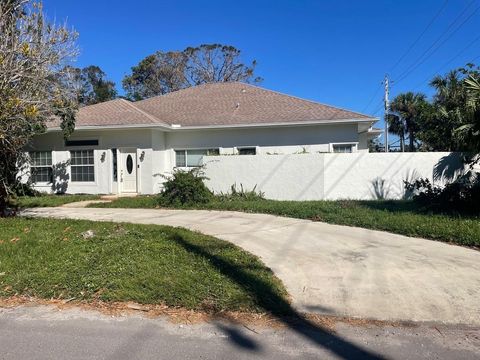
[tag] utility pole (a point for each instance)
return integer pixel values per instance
(387, 108)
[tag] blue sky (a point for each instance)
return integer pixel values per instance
(334, 52)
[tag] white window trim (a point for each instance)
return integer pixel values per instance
(95, 168)
(174, 150)
(353, 144)
(44, 183)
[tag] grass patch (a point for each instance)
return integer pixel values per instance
(400, 217)
(52, 200)
(149, 264)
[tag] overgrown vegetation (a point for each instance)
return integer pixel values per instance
(461, 196)
(185, 187)
(149, 264)
(400, 217)
(241, 194)
(34, 86)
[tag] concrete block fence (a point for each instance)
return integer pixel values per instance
(316, 176)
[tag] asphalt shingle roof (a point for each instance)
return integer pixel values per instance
(226, 104)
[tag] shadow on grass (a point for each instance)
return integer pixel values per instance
(409, 206)
(276, 305)
(392, 206)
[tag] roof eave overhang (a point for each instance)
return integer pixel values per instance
(373, 133)
(114, 127)
(207, 127)
(278, 124)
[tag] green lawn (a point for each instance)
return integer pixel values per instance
(52, 200)
(149, 264)
(401, 217)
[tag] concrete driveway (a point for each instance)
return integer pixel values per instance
(332, 269)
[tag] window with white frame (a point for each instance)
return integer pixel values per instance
(193, 157)
(41, 168)
(342, 148)
(82, 166)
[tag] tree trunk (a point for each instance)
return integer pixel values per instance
(402, 143)
(412, 142)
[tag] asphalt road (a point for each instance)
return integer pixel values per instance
(45, 332)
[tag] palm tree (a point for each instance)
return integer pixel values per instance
(408, 107)
(450, 91)
(470, 132)
(396, 126)
(452, 109)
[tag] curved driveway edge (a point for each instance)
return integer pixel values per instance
(332, 269)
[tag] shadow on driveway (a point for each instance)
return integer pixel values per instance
(274, 304)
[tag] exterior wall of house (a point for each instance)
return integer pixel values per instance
(103, 159)
(362, 175)
(363, 142)
(280, 140)
(156, 151)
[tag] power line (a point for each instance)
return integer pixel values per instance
(420, 36)
(413, 45)
(475, 58)
(441, 35)
(380, 107)
(373, 98)
(425, 55)
(451, 60)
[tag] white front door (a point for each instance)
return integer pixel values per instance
(128, 170)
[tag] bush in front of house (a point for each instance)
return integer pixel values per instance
(462, 195)
(185, 188)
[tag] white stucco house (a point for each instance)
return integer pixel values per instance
(125, 147)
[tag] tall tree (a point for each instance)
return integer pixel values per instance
(34, 87)
(157, 74)
(217, 63)
(409, 108)
(396, 126)
(164, 72)
(449, 104)
(470, 132)
(449, 111)
(92, 85)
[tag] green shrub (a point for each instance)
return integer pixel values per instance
(185, 188)
(460, 196)
(241, 194)
(25, 189)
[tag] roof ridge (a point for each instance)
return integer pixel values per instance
(101, 103)
(260, 88)
(177, 91)
(151, 117)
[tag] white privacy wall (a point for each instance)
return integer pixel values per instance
(322, 176)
